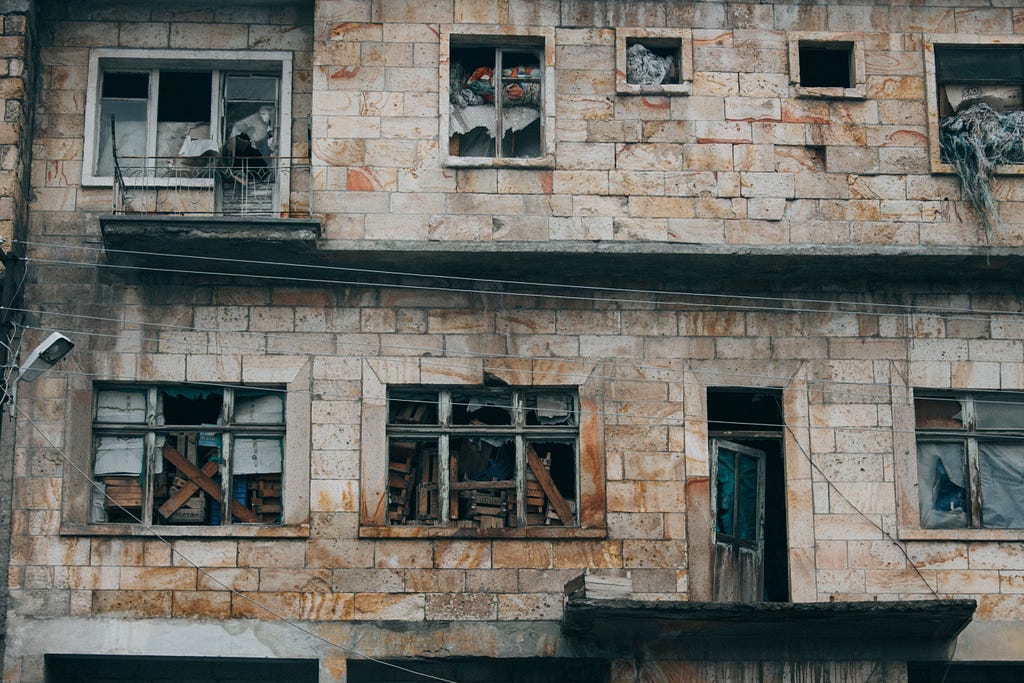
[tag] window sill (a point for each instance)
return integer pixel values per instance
(857, 93)
(939, 167)
(563, 533)
(666, 90)
(234, 531)
(905, 534)
(545, 162)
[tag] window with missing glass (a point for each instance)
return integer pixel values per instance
(486, 458)
(970, 459)
(187, 454)
(496, 96)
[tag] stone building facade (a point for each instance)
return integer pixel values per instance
(716, 308)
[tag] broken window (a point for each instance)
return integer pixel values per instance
(970, 460)
(483, 458)
(749, 497)
(496, 94)
(172, 455)
(204, 128)
(166, 118)
(981, 123)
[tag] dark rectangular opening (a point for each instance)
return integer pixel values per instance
(753, 418)
(826, 65)
(111, 669)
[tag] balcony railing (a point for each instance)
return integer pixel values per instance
(213, 186)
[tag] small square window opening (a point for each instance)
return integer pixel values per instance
(826, 65)
(653, 61)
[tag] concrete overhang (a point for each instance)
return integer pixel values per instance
(294, 248)
(206, 243)
(899, 630)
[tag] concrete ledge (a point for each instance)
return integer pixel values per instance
(876, 630)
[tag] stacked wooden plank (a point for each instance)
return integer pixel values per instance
(265, 496)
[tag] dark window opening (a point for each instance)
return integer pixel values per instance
(480, 670)
(826, 65)
(946, 672)
(184, 96)
(110, 669)
(653, 61)
(126, 85)
(180, 454)
(752, 419)
(484, 458)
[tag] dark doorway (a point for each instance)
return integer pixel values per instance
(752, 419)
(112, 669)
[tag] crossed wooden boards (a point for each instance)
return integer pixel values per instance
(199, 478)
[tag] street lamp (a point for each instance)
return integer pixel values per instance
(42, 358)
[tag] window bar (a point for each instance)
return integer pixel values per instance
(518, 421)
(152, 456)
(226, 442)
(443, 470)
(499, 88)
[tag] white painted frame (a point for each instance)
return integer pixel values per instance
(102, 59)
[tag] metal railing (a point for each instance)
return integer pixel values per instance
(213, 186)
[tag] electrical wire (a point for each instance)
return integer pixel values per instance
(213, 579)
(944, 311)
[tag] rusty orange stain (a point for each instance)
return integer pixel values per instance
(345, 72)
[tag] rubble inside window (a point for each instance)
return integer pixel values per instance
(191, 125)
(489, 458)
(496, 88)
(981, 117)
(172, 455)
(652, 61)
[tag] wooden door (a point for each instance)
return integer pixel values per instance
(738, 524)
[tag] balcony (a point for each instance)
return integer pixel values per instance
(210, 213)
(257, 186)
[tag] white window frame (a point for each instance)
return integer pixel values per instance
(542, 39)
(932, 93)
(217, 61)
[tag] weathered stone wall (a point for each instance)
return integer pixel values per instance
(740, 161)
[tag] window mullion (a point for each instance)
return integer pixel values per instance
(976, 494)
(152, 107)
(227, 413)
(151, 456)
(499, 87)
(519, 420)
(443, 457)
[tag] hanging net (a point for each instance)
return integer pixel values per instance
(975, 140)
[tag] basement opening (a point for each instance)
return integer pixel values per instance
(111, 669)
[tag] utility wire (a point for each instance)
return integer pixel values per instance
(200, 570)
(660, 295)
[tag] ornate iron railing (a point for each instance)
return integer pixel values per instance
(213, 185)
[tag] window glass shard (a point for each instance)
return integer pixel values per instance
(942, 483)
(999, 411)
(1002, 481)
